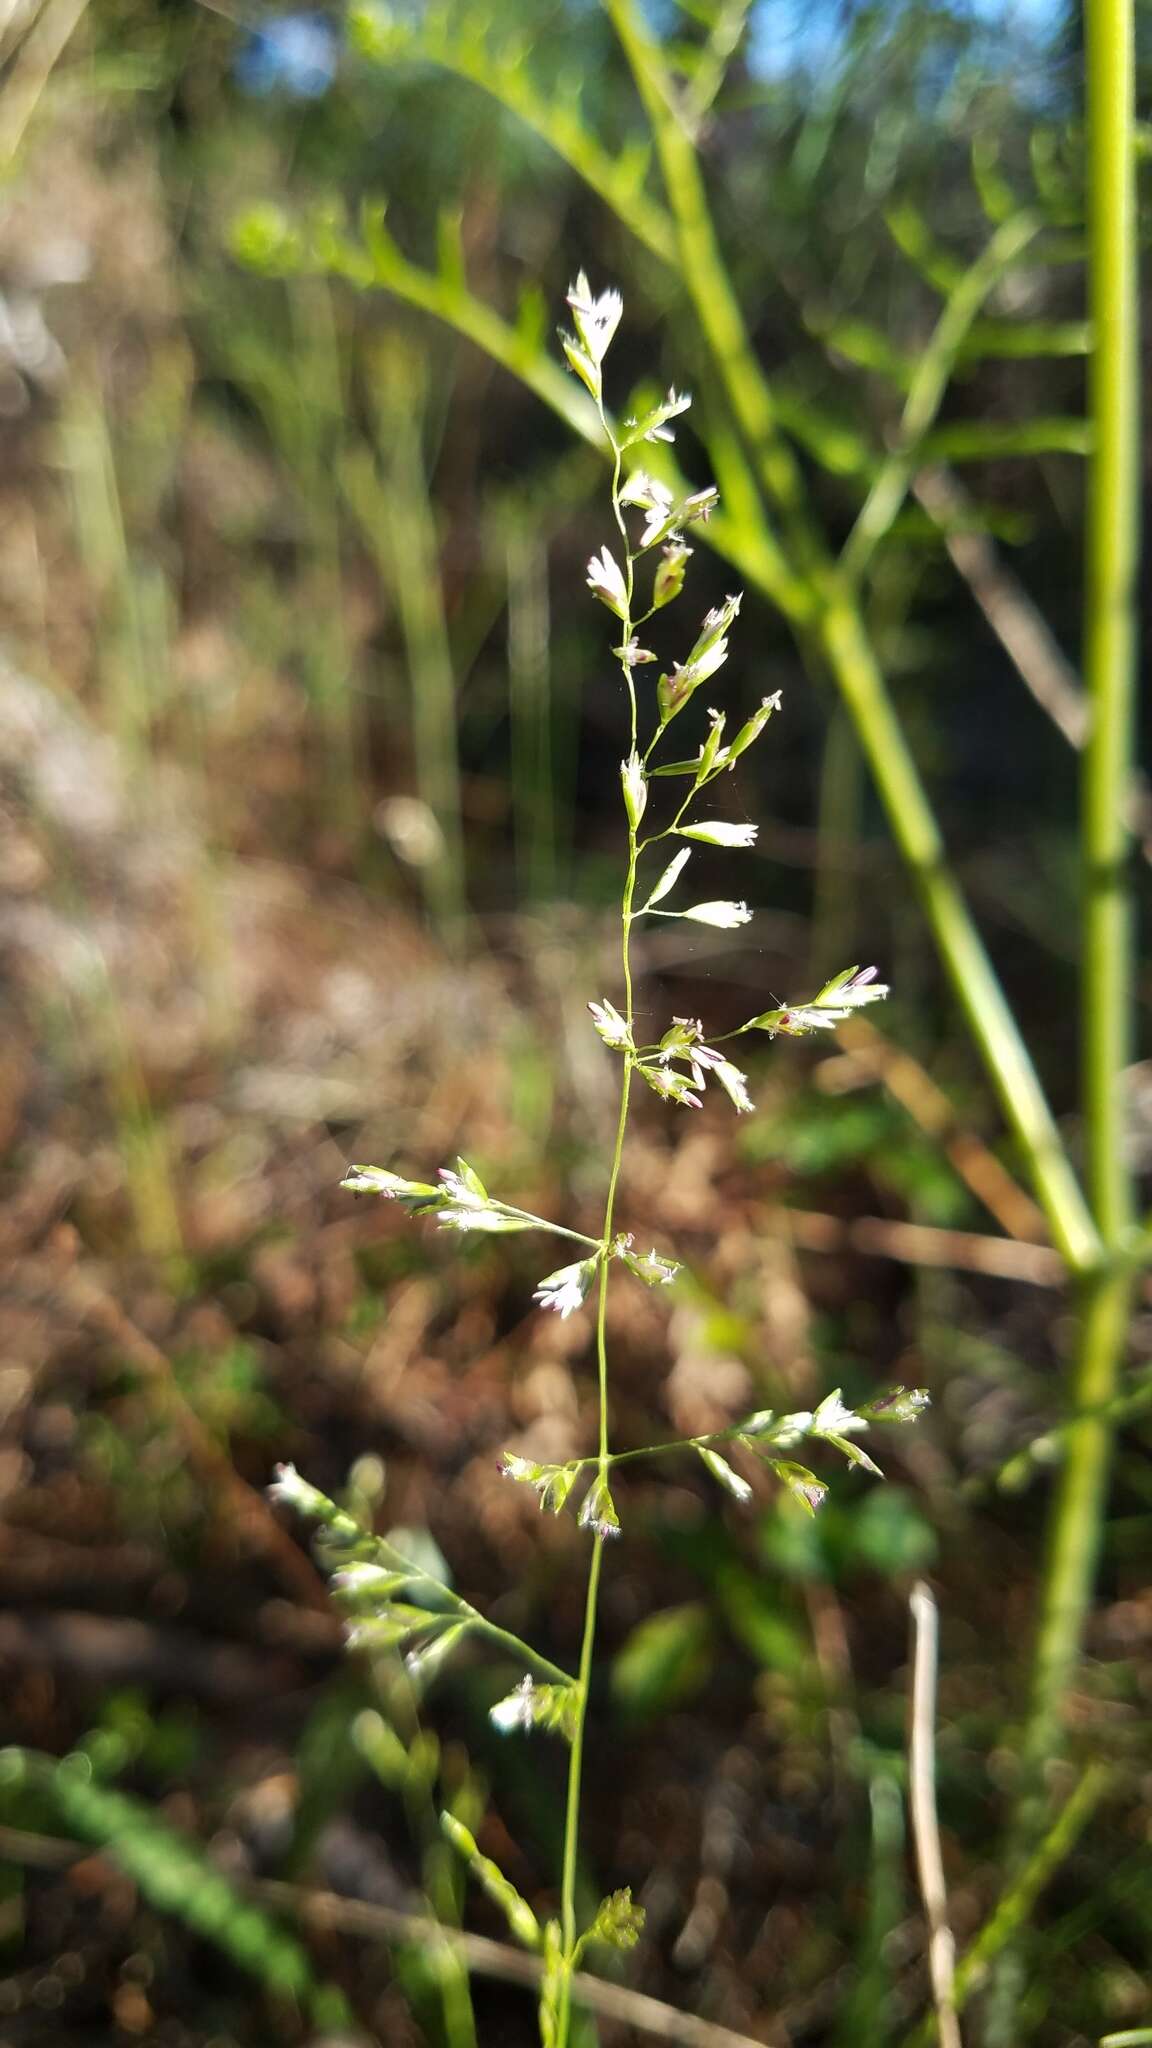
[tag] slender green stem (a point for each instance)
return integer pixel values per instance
(386, 1553)
(433, 37)
(576, 1756)
(521, 1651)
(591, 1606)
(572, 1806)
(682, 1443)
(543, 1223)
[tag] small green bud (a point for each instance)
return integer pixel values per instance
(618, 1922)
(669, 578)
(722, 1471)
(635, 785)
(598, 1512)
(751, 730)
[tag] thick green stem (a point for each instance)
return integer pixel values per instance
(716, 306)
(1080, 1500)
(1077, 1515)
(846, 647)
(1110, 626)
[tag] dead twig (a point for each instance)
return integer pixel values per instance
(873, 1057)
(1022, 631)
(924, 1244)
(487, 1958)
(925, 1824)
(245, 1504)
(32, 67)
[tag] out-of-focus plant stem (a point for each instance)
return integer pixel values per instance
(716, 307)
(1113, 540)
(530, 710)
(1106, 993)
(844, 641)
(398, 519)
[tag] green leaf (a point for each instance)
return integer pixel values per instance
(867, 346)
(1026, 338)
(888, 1533)
(993, 440)
(664, 1661)
(173, 1873)
(751, 1603)
(835, 445)
(915, 240)
(997, 198)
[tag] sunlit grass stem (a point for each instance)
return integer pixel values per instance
(591, 1605)
(1106, 993)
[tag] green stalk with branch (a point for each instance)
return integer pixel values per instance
(398, 1607)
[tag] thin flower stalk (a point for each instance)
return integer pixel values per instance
(389, 1595)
